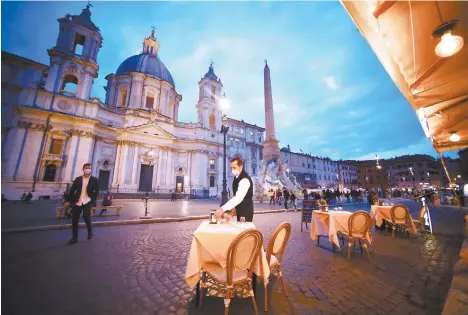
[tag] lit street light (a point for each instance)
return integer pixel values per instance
(225, 104)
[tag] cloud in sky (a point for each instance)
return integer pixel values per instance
(331, 95)
(331, 82)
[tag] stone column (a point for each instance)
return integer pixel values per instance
(159, 167)
(189, 167)
(123, 163)
(136, 159)
(169, 168)
(28, 156)
(84, 151)
(71, 155)
(12, 149)
(115, 180)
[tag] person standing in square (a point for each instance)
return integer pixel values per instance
(82, 196)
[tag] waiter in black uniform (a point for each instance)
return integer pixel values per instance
(242, 187)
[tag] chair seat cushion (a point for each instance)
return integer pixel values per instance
(218, 273)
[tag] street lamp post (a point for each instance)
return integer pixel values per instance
(150, 158)
(412, 175)
(379, 167)
(224, 130)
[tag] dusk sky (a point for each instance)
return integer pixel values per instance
(331, 95)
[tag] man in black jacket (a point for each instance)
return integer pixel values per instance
(82, 196)
(242, 188)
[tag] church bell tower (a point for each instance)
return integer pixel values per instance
(73, 60)
(208, 106)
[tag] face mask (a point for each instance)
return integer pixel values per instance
(87, 171)
(236, 172)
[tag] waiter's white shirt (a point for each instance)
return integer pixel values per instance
(84, 198)
(242, 190)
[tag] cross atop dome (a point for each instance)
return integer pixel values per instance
(210, 74)
(150, 44)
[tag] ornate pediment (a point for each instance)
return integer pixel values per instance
(152, 129)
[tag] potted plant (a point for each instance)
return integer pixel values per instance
(323, 205)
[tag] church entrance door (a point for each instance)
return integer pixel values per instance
(146, 178)
(179, 184)
(104, 180)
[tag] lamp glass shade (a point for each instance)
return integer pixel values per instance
(454, 137)
(449, 45)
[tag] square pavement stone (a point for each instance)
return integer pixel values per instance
(140, 269)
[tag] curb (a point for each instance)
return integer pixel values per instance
(118, 222)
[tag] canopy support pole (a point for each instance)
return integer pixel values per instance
(448, 176)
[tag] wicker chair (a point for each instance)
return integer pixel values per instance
(274, 254)
(399, 213)
(237, 276)
(359, 228)
(419, 223)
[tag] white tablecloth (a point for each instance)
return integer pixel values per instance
(328, 224)
(211, 242)
(380, 213)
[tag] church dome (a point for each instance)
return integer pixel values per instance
(147, 62)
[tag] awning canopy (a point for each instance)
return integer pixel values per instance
(400, 33)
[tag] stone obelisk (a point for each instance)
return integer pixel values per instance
(271, 150)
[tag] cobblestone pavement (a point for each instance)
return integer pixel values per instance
(40, 213)
(140, 270)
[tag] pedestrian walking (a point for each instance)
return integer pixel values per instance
(82, 197)
(286, 198)
(293, 197)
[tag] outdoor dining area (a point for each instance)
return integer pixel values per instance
(226, 259)
(357, 226)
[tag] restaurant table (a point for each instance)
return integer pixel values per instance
(381, 213)
(329, 224)
(210, 243)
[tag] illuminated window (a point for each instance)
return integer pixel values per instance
(212, 121)
(212, 165)
(123, 97)
(55, 146)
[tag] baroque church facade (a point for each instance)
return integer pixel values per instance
(51, 125)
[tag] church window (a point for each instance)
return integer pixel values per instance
(213, 92)
(49, 174)
(242, 130)
(55, 146)
(212, 165)
(251, 133)
(237, 129)
(123, 97)
(70, 84)
(79, 44)
(212, 181)
(212, 121)
(259, 137)
(149, 100)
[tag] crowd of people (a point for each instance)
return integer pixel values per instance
(282, 197)
(334, 196)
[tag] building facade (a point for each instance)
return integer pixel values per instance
(51, 125)
(404, 172)
(314, 172)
